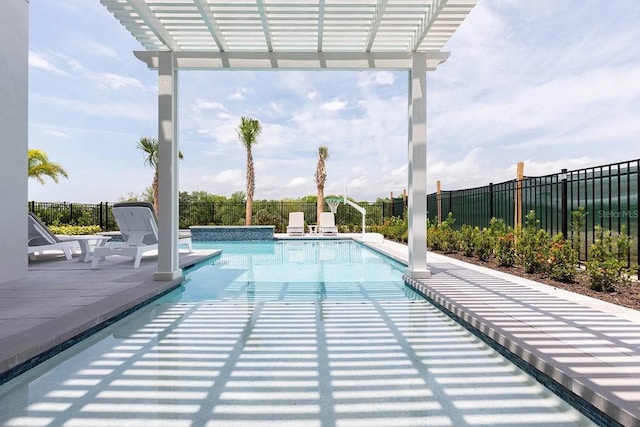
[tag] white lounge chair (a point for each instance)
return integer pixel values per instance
(327, 224)
(138, 225)
(296, 224)
(42, 239)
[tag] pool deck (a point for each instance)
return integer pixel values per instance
(588, 346)
(62, 299)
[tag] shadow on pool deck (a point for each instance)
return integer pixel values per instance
(589, 347)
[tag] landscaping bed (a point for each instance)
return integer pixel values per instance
(626, 295)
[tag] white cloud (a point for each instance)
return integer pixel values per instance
(40, 61)
(312, 95)
(334, 106)
(276, 108)
(229, 176)
(535, 168)
(56, 133)
(201, 105)
(379, 78)
(91, 47)
(116, 81)
(238, 95)
(297, 182)
(122, 109)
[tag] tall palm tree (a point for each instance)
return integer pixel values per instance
(150, 148)
(321, 177)
(39, 166)
(248, 132)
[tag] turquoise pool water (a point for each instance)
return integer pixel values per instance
(295, 271)
(286, 334)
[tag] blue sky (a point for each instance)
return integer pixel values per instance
(555, 84)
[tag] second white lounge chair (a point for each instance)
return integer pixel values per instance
(296, 224)
(42, 239)
(139, 228)
(327, 225)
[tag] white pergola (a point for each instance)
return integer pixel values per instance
(290, 34)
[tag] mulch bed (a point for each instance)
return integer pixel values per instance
(626, 295)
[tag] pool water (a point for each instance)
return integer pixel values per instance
(295, 271)
(305, 333)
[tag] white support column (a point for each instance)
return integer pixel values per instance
(168, 267)
(418, 168)
(14, 45)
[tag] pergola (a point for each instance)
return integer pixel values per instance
(290, 34)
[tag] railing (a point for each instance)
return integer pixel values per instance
(608, 194)
(62, 213)
(221, 213)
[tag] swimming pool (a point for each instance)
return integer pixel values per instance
(304, 333)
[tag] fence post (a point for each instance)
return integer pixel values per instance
(564, 213)
(490, 201)
(517, 214)
(439, 201)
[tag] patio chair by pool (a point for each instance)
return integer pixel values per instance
(327, 225)
(138, 225)
(296, 224)
(42, 239)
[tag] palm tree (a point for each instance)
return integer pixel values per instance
(321, 177)
(39, 166)
(248, 132)
(150, 148)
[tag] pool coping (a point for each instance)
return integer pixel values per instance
(602, 406)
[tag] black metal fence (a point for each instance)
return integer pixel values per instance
(608, 194)
(63, 213)
(221, 213)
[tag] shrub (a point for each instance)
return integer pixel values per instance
(562, 260)
(497, 229)
(442, 237)
(577, 222)
(607, 267)
(265, 217)
(75, 230)
(393, 228)
(532, 245)
(467, 239)
(483, 244)
(506, 250)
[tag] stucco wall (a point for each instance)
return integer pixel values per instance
(14, 48)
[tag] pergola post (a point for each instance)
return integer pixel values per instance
(417, 220)
(14, 76)
(168, 267)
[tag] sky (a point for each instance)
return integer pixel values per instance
(555, 84)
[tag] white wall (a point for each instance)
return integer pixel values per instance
(14, 56)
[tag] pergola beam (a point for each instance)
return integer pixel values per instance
(320, 24)
(375, 23)
(265, 24)
(212, 24)
(295, 60)
(151, 20)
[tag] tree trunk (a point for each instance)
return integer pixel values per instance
(247, 215)
(320, 203)
(251, 185)
(154, 185)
